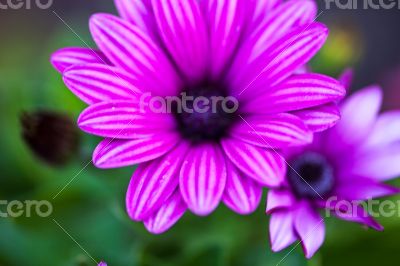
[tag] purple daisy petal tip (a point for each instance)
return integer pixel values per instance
(167, 215)
(346, 78)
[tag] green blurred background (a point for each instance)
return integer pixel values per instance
(91, 207)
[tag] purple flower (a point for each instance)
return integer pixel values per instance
(343, 166)
(102, 264)
(249, 50)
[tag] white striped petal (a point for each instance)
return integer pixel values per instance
(94, 83)
(167, 215)
(203, 178)
(182, 28)
(129, 48)
(123, 120)
(67, 57)
(265, 166)
(153, 183)
(119, 153)
(242, 194)
(274, 131)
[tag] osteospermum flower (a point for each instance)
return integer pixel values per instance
(249, 50)
(341, 168)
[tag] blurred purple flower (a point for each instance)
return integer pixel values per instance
(102, 264)
(343, 166)
(249, 50)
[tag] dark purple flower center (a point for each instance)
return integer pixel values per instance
(206, 112)
(311, 177)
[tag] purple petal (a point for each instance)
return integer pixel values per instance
(310, 228)
(67, 57)
(203, 178)
(274, 131)
(281, 20)
(279, 199)
(385, 130)
(359, 112)
(363, 189)
(242, 194)
(281, 230)
(167, 215)
(183, 31)
(138, 12)
(153, 183)
(226, 20)
(346, 78)
(297, 92)
(119, 153)
(380, 163)
(94, 83)
(123, 120)
(129, 48)
(295, 49)
(320, 118)
(353, 212)
(265, 166)
(259, 10)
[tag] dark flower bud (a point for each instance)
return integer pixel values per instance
(53, 137)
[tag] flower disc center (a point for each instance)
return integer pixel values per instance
(311, 177)
(205, 113)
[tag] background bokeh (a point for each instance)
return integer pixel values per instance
(91, 207)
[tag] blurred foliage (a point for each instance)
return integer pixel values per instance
(91, 207)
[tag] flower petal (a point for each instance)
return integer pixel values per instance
(310, 228)
(203, 178)
(119, 153)
(352, 212)
(123, 120)
(254, 75)
(260, 10)
(385, 130)
(346, 78)
(359, 113)
(139, 12)
(265, 166)
(279, 199)
(94, 83)
(281, 230)
(183, 31)
(242, 194)
(67, 57)
(167, 215)
(297, 92)
(226, 21)
(320, 118)
(153, 183)
(381, 164)
(363, 189)
(274, 131)
(279, 21)
(129, 48)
